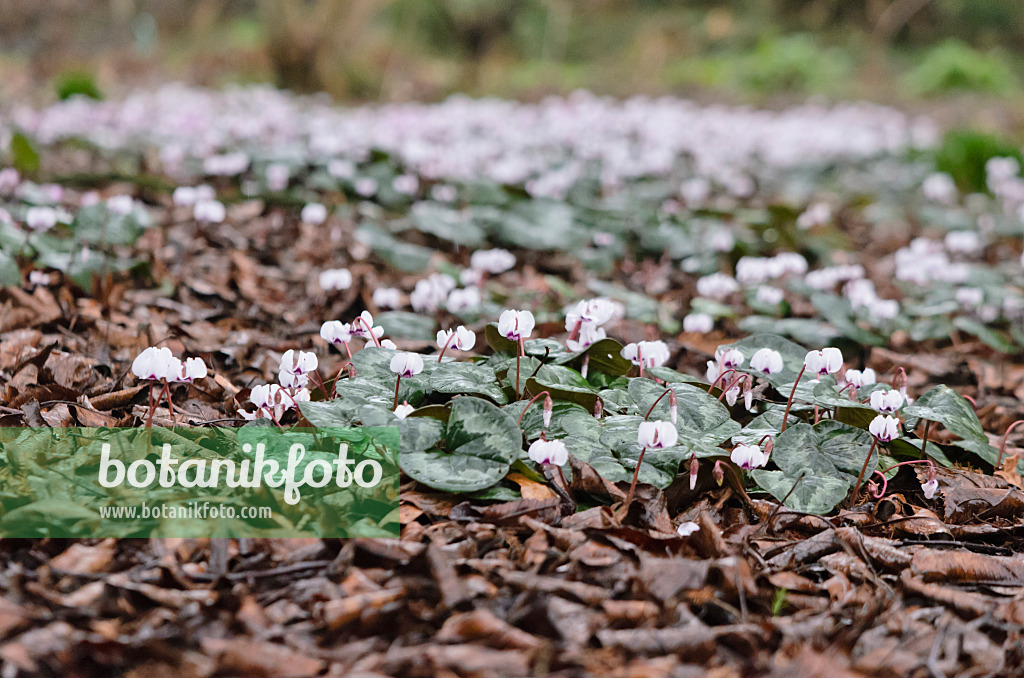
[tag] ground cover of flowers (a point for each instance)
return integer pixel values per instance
(680, 389)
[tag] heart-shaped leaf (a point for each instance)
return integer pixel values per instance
(480, 443)
(467, 378)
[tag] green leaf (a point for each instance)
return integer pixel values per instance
(563, 384)
(406, 325)
(792, 357)
(342, 411)
(606, 356)
(812, 494)
(991, 337)
(667, 374)
(25, 157)
(700, 417)
(467, 378)
(533, 420)
(481, 442)
(446, 223)
(827, 449)
(945, 406)
(10, 274)
(374, 363)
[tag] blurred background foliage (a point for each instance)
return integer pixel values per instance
(758, 51)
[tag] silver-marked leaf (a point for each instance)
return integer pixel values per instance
(467, 378)
(828, 449)
(812, 494)
(480, 443)
(699, 415)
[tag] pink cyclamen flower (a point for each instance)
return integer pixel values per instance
(549, 452)
(516, 325)
(406, 364)
(657, 434)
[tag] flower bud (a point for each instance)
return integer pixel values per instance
(718, 473)
(549, 406)
(694, 469)
(672, 409)
(351, 371)
(598, 409)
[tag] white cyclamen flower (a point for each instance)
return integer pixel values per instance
(588, 334)
(700, 323)
(687, 528)
(336, 332)
(191, 369)
(549, 452)
(335, 279)
(121, 204)
(298, 362)
(886, 402)
(406, 364)
(657, 434)
(314, 213)
(156, 364)
(646, 353)
(211, 211)
(387, 297)
(930, 488)
(404, 410)
(516, 325)
(885, 428)
(41, 219)
(464, 339)
(717, 286)
(493, 261)
(748, 457)
(363, 325)
(766, 361)
(463, 300)
(593, 311)
(826, 361)
(860, 378)
(730, 359)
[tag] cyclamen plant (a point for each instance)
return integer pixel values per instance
(696, 421)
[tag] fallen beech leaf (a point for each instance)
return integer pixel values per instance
(1009, 471)
(531, 489)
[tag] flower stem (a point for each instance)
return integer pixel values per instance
(519, 422)
(398, 382)
(445, 347)
(518, 354)
(651, 409)
(728, 387)
(369, 330)
(632, 485)
(789, 403)
(1002, 446)
(863, 470)
(885, 481)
